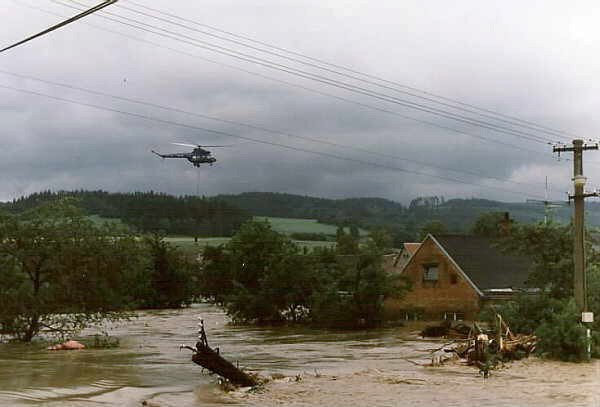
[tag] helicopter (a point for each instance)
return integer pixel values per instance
(198, 156)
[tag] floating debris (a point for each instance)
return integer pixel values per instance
(211, 359)
(68, 345)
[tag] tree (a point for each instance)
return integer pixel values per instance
(551, 249)
(256, 276)
(551, 314)
(354, 231)
(382, 239)
(488, 224)
(352, 295)
(60, 272)
(433, 227)
(172, 276)
(346, 243)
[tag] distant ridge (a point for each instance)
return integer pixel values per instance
(147, 211)
(222, 214)
(405, 221)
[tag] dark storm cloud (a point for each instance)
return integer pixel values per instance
(508, 57)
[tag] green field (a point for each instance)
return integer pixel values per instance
(101, 220)
(285, 226)
(292, 225)
(187, 243)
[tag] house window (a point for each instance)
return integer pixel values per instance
(431, 273)
(454, 316)
(411, 315)
(453, 278)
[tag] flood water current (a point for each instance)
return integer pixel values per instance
(315, 368)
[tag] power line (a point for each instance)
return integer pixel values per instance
(61, 24)
(320, 78)
(461, 107)
(251, 126)
(378, 78)
(280, 145)
(294, 85)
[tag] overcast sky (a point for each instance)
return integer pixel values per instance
(535, 60)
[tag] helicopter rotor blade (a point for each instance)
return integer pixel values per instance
(186, 145)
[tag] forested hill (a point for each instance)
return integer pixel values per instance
(149, 211)
(298, 206)
(457, 214)
(222, 215)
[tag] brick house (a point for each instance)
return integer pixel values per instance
(452, 276)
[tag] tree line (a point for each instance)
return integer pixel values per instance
(148, 212)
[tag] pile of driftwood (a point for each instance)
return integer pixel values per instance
(479, 347)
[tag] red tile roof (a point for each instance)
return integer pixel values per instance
(411, 248)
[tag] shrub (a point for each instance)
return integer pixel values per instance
(562, 336)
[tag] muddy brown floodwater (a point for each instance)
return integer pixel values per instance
(335, 369)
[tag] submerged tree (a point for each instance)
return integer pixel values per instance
(172, 276)
(262, 277)
(257, 276)
(355, 284)
(60, 272)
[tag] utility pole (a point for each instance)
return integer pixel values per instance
(579, 276)
(578, 198)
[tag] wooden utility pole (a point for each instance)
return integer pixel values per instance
(579, 278)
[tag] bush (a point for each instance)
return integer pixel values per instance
(562, 336)
(556, 323)
(524, 314)
(172, 279)
(333, 309)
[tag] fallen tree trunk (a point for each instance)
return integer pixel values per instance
(211, 360)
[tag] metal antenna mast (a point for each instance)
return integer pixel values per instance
(548, 205)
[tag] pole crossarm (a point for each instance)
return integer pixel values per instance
(585, 195)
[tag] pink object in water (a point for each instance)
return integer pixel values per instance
(68, 345)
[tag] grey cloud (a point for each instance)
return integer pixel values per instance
(510, 57)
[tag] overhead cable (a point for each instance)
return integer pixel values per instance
(275, 144)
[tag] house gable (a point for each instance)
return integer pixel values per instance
(439, 286)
